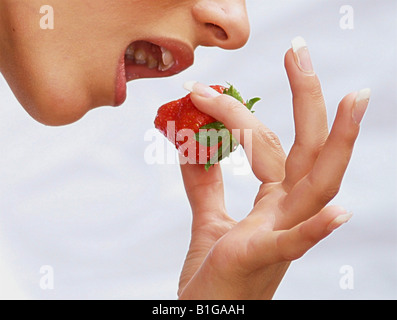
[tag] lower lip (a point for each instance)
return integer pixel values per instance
(121, 83)
(127, 72)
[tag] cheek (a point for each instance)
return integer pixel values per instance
(59, 75)
(53, 85)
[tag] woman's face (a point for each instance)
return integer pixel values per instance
(96, 46)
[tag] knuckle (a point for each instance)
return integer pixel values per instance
(266, 136)
(308, 235)
(288, 252)
(292, 255)
(326, 194)
(330, 193)
(310, 150)
(231, 105)
(316, 92)
(324, 191)
(309, 89)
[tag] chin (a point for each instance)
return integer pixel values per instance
(57, 120)
(55, 112)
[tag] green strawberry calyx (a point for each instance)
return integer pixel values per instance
(216, 133)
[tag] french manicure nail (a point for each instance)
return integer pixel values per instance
(201, 89)
(302, 55)
(339, 220)
(361, 105)
(189, 85)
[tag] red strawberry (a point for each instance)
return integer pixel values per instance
(196, 135)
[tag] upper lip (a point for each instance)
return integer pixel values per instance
(183, 55)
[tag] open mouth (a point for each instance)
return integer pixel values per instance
(148, 55)
(152, 59)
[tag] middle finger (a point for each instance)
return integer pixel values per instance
(310, 114)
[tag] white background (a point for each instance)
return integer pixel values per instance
(82, 199)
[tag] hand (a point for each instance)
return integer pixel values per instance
(248, 259)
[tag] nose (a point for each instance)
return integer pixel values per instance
(222, 23)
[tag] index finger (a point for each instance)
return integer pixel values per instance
(261, 145)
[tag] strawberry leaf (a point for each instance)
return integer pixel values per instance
(250, 103)
(233, 92)
(214, 125)
(212, 137)
(208, 165)
(229, 144)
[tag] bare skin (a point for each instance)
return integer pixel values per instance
(59, 75)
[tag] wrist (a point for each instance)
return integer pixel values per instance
(259, 285)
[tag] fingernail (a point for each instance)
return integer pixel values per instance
(302, 55)
(340, 220)
(201, 89)
(361, 105)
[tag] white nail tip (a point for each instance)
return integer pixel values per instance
(338, 221)
(189, 85)
(298, 43)
(363, 95)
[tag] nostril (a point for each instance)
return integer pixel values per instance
(218, 31)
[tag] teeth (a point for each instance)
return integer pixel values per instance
(152, 63)
(167, 60)
(130, 52)
(142, 56)
(167, 57)
(163, 67)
